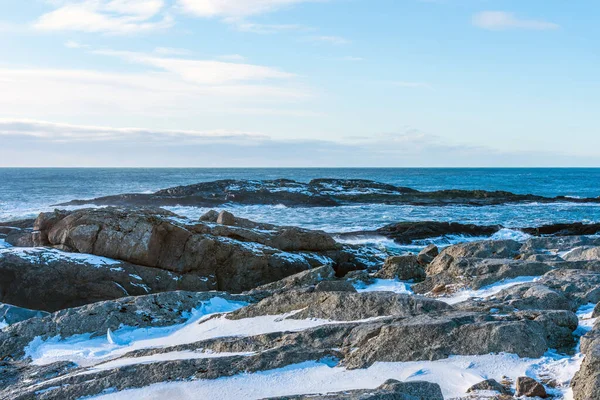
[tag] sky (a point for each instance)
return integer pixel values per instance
(299, 83)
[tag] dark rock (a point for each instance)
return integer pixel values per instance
(50, 280)
(529, 387)
(406, 232)
(490, 384)
(402, 267)
(571, 229)
(319, 192)
(426, 256)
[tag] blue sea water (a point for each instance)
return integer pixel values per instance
(26, 192)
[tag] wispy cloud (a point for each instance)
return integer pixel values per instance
(145, 94)
(235, 8)
(500, 20)
(57, 132)
(204, 72)
(105, 16)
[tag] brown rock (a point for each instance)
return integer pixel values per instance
(401, 267)
(226, 218)
(427, 255)
(529, 387)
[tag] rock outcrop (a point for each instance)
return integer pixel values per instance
(235, 257)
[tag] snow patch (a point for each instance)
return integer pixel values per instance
(385, 285)
(486, 291)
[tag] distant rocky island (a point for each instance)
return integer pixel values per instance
(316, 193)
(133, 300)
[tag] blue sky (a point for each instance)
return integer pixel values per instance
(299, 83)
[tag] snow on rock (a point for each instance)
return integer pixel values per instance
(454, 375)
(385, 285)
(35, 254)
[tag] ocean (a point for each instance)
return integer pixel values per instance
(24, 192)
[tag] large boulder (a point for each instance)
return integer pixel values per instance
(529, 387)
(229, 258)
(502, 249)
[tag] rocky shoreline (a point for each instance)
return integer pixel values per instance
(120, 303)
(316, 193)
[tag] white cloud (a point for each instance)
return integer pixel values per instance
(49, 93)
(500, 20)
(204, 72)
(106, 16)
(234, 8)
(58, 132)
(336, 40)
